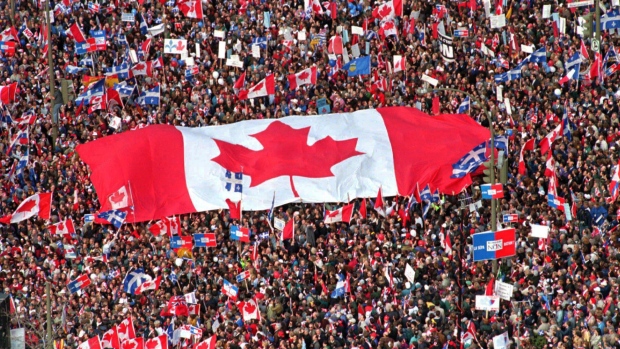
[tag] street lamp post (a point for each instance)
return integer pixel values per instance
(50, 70)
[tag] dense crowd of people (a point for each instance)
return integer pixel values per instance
(565, 287)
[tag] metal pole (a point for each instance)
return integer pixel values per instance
(12, 6)
(50, 70)
(492, 158)
(49, 342)
(598, 21)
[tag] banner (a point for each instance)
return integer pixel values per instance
(503, 290)
(337, 157)
(487, 303)
(175, 46)
(447, 50)
(494, 245)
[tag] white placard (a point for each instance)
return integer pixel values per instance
(128, 17)
(507, 104)
(301, 36)
(18, 338)
(527, 49)
(546, 11)
(615, 3)
(51, 16)
(503, 290)
(221, 50)
(219, 34)
(357, 30)
(278, 223)
(487, 303)
(501, 341)
(539, 231)
(487, 51)
(197, 50)
(430, 80)
(562, 25)
(332, 57)
(234, 63)
(175, 46)
(255, 51)
(409, 273)
(190, 61)
(133, 56)
(569, 215)
(345, 55)
(500, 93)
(115, 123)
(487, 8)
(355, 50)
(184, 55)
(498, 21)
(580, 3)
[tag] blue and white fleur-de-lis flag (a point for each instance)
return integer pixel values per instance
(233, 181)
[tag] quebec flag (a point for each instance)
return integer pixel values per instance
(494, 245)
(340, 287)
(134, 279)
(149, 97)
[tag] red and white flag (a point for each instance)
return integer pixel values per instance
(265, 87)
(490, 290)
(38, 204)
(249, 310)
(389, 9)
(9, 34)
(316, 7)
(7, 93)
(134, 343)
(159, 342)
(355, 152)
(362, 210)
(208, 344)
(546, 143)
(125, 330)
(388, 28)
(110, 339)
(169, 226)
(342, 214)
(289, 230)
(529, 145)
(335, 45)
(240, 83)
(194, 309)
(119, 199)
(584, 51)
(97, 103)
(149, 285)
(76, 33)
(191, 9)
(142, 68)
(93, 343)
(146, 47)
(400, 63)
(304, 77)
(114, 98)
(380, 204)
(62, 228)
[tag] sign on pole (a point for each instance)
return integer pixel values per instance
(487, 303)
(494, 245)
(503, 290)
(279, 223)
(580, 3)
(596, 45)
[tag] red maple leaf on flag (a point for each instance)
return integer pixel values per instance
(153, 344)
(117, 197)
(61, 226)
(384, 11)
(303, 76)
(258, 86)
(285, 153)
(388, 26)
(27, 206)
(249, 307)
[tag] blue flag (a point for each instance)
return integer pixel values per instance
(360, 66)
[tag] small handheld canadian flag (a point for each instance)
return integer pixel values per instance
(304, 77)
(380, 204)
(399, 63)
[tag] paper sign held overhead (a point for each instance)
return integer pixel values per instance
(357, 30)
(487, 303)
(255, 51)
(498, 21)
(503, 290)
(128, 17)
(430, 80)
(221, 51)
(301, 36)
(197, 50)
(527, 49)
(409, 273)
(539, 231)
(580, 3)
(355, 50)
(175, 46)
(279, 223)
(546, 11)
(219, 34)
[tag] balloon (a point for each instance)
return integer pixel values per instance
(220, 81)
(178, 262)
(216, 75)
(557, 92)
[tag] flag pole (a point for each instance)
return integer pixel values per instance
(133, 209)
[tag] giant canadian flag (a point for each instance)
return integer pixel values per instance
(324, 158)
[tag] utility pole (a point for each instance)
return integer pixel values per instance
(492, 157)
(49, 342)
(50, 70)
(12, 8)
